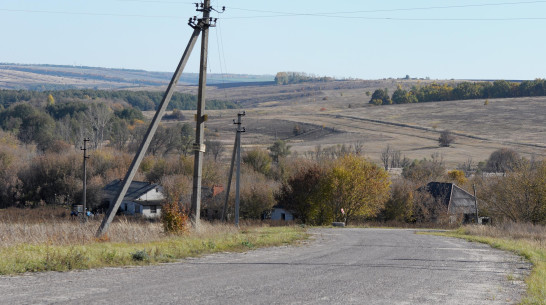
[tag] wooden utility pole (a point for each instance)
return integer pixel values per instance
(199, 146)
(85, 157)
(198, 25)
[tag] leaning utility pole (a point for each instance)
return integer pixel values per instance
(199, 146)
(198, 25)
(236, 153)
(85, 157)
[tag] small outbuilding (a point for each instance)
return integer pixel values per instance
(457, 201)
(142, 198)
(280, 213)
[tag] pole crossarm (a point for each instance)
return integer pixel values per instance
(198, 27)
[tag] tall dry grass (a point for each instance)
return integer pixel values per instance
(53, 226)
(534, 234)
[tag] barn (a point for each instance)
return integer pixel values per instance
(142, 198)
(457, 201)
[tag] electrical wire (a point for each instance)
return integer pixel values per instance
(338, 15)
(220, 44)
(389, 10)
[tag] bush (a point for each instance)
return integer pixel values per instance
(446, 138)
(174, 218)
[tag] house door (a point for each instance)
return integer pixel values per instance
(283, 216)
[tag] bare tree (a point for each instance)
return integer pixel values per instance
(215, 148)
(386, 156)
(395, 158)
(358, 147)
(98, 117)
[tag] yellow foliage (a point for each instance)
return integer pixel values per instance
(458, 176)
(358, 186)
(50, 100)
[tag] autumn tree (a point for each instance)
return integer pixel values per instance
(358, 186)
(519, 196)
(301, 192)
(400, 205)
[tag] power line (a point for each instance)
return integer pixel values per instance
(388, 10)
(338, 15)
(90, 14)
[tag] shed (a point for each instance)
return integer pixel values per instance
(142, 198)
(280, 213)
(457, 200)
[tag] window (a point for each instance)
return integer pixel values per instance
(153, 209)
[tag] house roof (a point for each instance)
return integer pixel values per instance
(136, 189)
(453, 197)
(441, 191)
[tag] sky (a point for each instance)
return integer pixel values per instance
(448, 39)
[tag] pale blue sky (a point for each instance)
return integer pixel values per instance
(479, 39)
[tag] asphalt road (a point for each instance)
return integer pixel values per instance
(338, 266)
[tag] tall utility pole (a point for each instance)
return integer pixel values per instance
(199, 146)
(198, 25)
(236, 153)
(238, 176)
(85, 157)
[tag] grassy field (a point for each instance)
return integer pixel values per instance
(525, 240)
(61, 245)
(413, 129)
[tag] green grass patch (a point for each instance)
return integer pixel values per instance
(535, 253)
(37, 258)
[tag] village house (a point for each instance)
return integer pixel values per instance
(459, 203)
(142, 198)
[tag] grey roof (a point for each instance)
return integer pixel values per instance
(453, 197)
(136, 189)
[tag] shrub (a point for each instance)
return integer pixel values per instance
(140, 255)
(446, 138)
(174, 218)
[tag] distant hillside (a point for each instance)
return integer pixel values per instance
(52, 77)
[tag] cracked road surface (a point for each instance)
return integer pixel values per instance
(338, 266)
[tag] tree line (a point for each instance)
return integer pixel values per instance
(462, 91)
(142, 100)
(285, 78)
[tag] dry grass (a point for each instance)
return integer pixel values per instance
(53, 226)
(533, 234)
(46, 240)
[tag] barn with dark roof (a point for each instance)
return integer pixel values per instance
(455, 199)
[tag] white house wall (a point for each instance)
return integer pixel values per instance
(146, 212)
